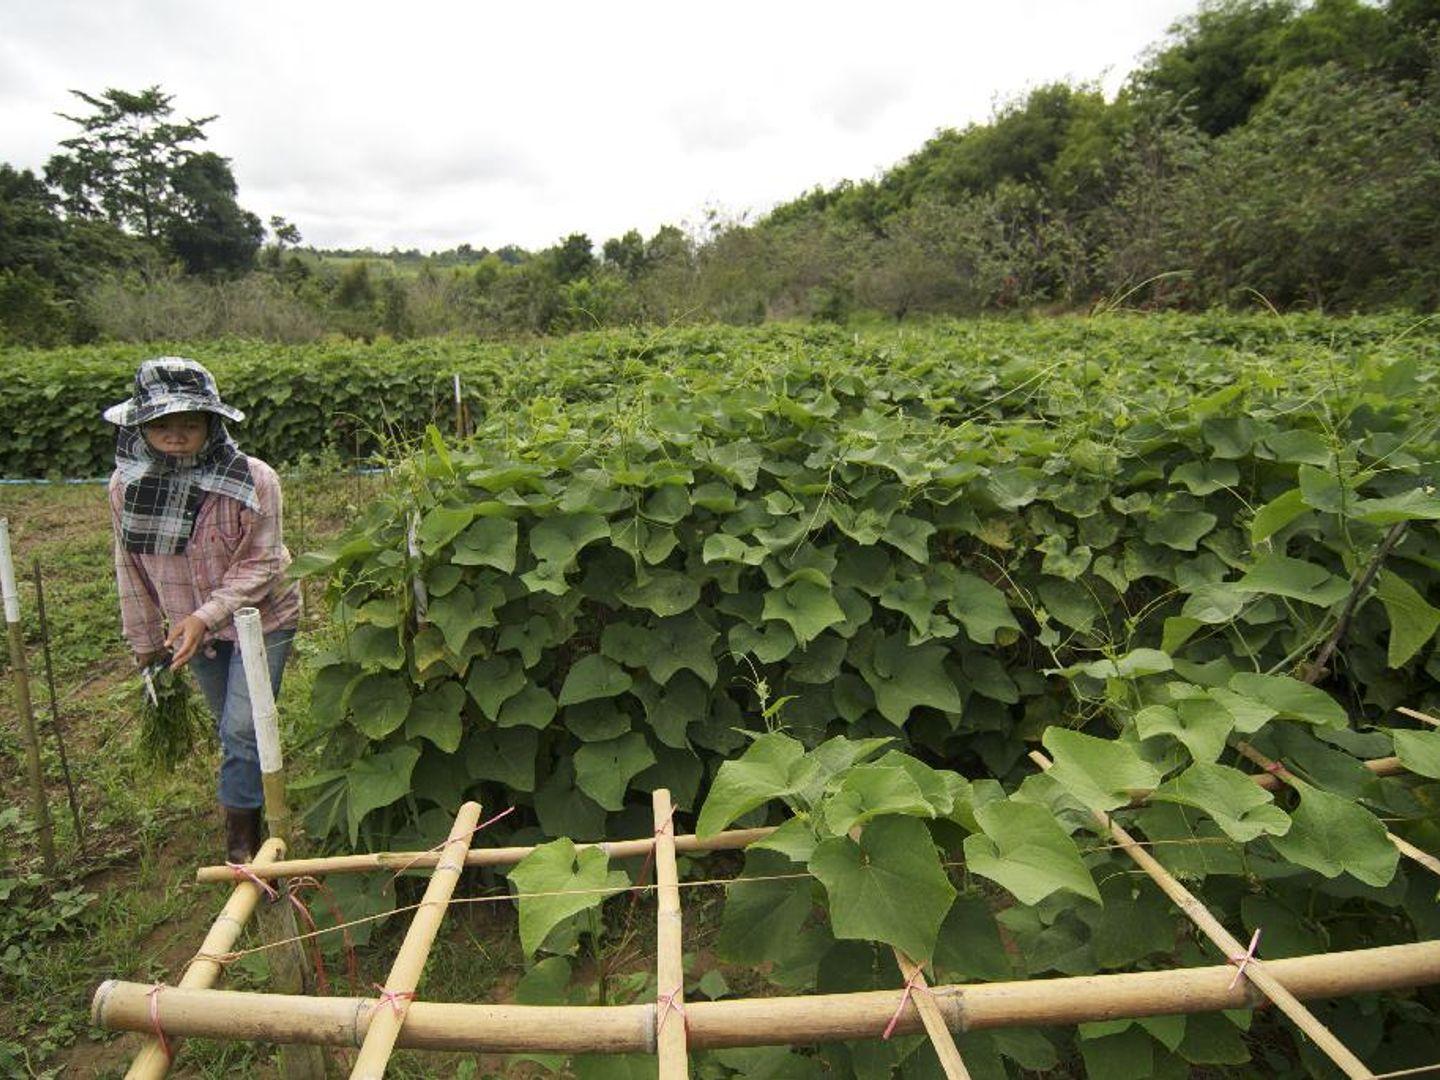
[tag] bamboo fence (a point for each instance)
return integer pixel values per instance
(670, 1027)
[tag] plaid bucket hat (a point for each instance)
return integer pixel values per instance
(170, 384)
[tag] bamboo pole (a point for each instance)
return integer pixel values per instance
(933, 1019)
(288, 970)
(1284, 775)
(780, 1021)
(1381, 766)
(669, 956)
(55, 724)
(387, 1016)
(1257, 972)
(504, 856)
(1416, 714)
(21, 675)
(152, 1062)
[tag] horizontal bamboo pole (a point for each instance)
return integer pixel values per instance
(152, 1062)
(1382, 766)
(505, 856)
(780, 1021)
(1258, 973)
(387, 1019)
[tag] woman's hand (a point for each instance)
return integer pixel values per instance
(184, 639)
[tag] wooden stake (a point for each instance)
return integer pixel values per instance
(1284, 775)
(669, 960)
(779, 1021)
(387, 1016)
(289, 971)
(55, 725)
(1256, 971)
(933, 1019)
(21, 674)
(152, 1062)
(505, 856)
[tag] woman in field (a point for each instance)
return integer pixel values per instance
(198, 536)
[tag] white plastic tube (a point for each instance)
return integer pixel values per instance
(7, 575)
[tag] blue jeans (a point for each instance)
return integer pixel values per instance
(222, 681)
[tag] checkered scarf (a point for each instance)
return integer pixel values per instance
(163, 492)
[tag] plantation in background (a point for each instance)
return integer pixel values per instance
(859, 578)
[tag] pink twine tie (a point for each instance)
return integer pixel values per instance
(243, 872)
(393, 998)
(910, 989)
(1275, 767)
(668, 1003)
(448, 840)
(154, 996)
(643, 877)
(292, 893)
(1243, 960)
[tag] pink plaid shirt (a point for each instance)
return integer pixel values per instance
(235, 558)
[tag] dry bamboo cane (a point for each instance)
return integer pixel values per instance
(1257, 972)
(1381, 766)
(621, 1029)
(933, 1019)
(288, 970)
(505, 856)
(1416, 714)
(670, 1046)
(152, 1062)
(387, 1016)
(1284, 775)
(21, 674)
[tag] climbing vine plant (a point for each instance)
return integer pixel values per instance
(848, 589)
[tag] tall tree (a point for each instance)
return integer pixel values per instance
(207, 229)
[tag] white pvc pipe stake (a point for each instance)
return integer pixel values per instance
(262, 696)
(7, 575)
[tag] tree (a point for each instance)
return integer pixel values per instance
(206, 228)
(572, 258)
(286, 233)
(626, 253)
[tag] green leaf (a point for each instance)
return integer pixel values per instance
(889, 887)
(534, 706)
(1241, 807)
(665, 592)
(760, 774)
(807, 608)
(1023, 849)
(491, 541)
(558, 867)
(969, 946)
(435, 715)
(905, 677)
(981, 608)
(1101, 773)
(379, 704)
(721, 547)
(559, 538)
(1291, 699)
(591, 677)
(1413, 621)
(870, 791)
(1276, 514)
(1280, 575)
(1415, 505)
(463, 610)
(1180, 529)
(761, 920)
(1419, 751)
(1132, 665)
(1206, 477)
(494, 681)
(603, 770)
(330, 692)
(506, 755)
(441, 525)
(375, 647)
(1202, 725)
(911, 535)
(1332, 835)
(377, 780)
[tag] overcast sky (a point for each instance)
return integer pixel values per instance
(428, 124)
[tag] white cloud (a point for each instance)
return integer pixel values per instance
(436, 123)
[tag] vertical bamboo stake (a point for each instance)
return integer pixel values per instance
(21, 674)
(55, 707)
(1211, 927)
(933, 1019)
(459, 410)
(388, 1015)
(288, 969)
(151, 1063)
(1276, 769)
(670, 1040)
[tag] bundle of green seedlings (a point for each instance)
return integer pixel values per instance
(172, 718)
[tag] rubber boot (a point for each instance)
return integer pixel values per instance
(242, 833)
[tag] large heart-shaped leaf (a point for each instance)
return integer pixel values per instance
(1332, 835)
(377, 780)
(556, 881)
(1023, 849)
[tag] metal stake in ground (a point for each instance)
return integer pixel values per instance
(21, 674)
(55, 705)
